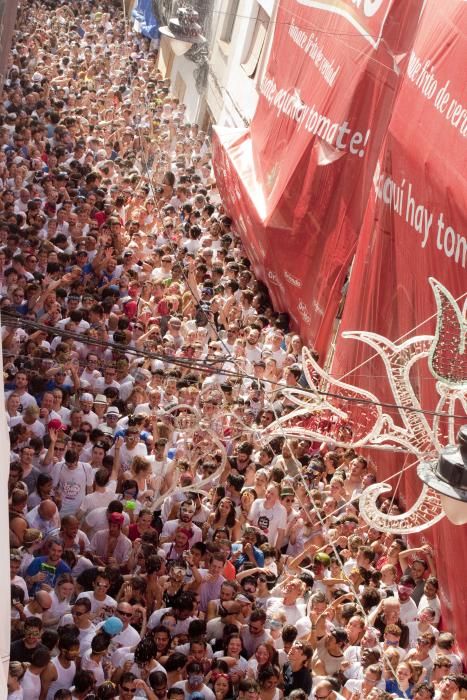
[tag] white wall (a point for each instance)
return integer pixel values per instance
(232, 96)
(191, 98)
(7, 21)
(4, 542)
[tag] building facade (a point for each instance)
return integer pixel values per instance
(219, 82)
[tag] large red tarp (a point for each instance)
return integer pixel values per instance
(415, 228)
(303, 191)
(297, 182)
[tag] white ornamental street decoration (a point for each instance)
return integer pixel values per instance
(197, 442)
(334, 410)
(320, 417)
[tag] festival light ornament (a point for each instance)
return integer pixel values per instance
(197, 442)
(326, 416)
(330, 409)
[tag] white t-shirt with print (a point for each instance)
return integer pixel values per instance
(72, 484)
(269, 520)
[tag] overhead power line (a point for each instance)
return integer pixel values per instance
(18, 321)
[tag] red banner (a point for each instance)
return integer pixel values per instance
(297, 182)
(415, 228)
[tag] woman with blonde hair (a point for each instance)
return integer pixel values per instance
(294, 347)
(402, 684)
(16, 671)
(141, 472)
(247, 498)
(391, 658)
(418, 671)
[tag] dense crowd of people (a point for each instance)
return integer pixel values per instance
(163, 543)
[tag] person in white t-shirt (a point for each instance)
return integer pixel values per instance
(430, 598)
(61, 601)
(74, 480)
(185, 520)
(102, 605)
(128, 637)
(90, 372)
(270, 516)
(152, 404)
(161, 464)
(30, 419)
(21, 385)
(274, 345)
(289, 603)
(361, 687)
(86, 404)
(132, 447)
(446, 645)
(195, 682)
(423, 624)
(81, 617)
(252, 348)
(98, 519)
(408, 607)
(103, 494)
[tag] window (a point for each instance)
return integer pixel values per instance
(256, 44)
(229, 21)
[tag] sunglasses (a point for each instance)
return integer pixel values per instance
(128, 690)
(124, 614)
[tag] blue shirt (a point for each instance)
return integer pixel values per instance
(393, 687)
(51, 579)
(258, 555)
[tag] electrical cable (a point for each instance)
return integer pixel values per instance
(308, 24)
(19, 321)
